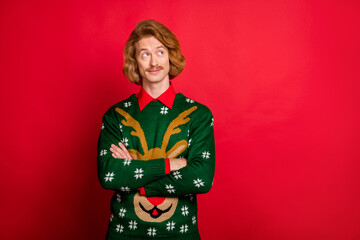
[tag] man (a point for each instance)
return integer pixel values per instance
(156, 148)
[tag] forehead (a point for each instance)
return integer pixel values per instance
(148, 43)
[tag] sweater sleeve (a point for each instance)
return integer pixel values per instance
(122, 174)
(197, 176)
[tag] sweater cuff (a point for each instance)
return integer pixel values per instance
(142, 191)
(157, 167)
(167, 165)
(151, 191)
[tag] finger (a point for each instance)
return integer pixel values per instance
(122, 146)
(117, 151)
(128, 155)
(126, 152)
(113, 149)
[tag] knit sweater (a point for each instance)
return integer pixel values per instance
(169, 209)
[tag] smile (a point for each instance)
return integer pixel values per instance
(155, 212)
(154, 70)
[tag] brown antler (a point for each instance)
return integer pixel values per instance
(131, 122)
(173, 127)
(154, 153)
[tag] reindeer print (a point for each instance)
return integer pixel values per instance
(156, 209)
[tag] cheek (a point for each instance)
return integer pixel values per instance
(140, 64)
(167, 63)
(141, 68)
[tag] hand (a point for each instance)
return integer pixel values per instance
(120, 152)
(177, 163)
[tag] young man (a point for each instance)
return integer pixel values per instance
(156, 148)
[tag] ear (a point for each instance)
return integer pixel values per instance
(177, 149)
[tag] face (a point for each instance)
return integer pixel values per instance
(153, 60)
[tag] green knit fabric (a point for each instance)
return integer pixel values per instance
(156, 132)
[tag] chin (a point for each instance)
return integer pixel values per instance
(156, 80)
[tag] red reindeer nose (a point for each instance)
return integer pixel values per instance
(156, 200)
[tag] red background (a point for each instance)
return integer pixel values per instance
(282, 80)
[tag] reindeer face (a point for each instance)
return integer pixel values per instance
(156, 209)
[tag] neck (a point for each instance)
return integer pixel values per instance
(155, 89)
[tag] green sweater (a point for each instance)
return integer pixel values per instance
(169, 209)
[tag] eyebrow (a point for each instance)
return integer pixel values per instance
(144, 49)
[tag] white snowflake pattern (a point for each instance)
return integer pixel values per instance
(184, 228)
(118, 197)
(127, 162)
(194, 220)
(198, 182)
(109, 176)
(177, 175)
(188, 133)
(125, 189)
(102, 126)
(189, 142)
(170, 226)
(206, 155)
(122, 212)
(164, 110)
(120, 126)
(170, 188)
(103, 152)
(119, 228)
(125, 141)
(189, 100)
(212, 122)
(138, 173)
(151, 232)
(184, 210)
(132, 225)
(111, 217)
(127, 104)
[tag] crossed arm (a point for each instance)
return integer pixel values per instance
(193, 175)
(121, 152)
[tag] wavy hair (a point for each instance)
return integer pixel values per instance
(165, 36)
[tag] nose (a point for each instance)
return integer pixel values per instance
(156, 200)
(153, 61)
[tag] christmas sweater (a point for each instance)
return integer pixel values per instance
(153, 134)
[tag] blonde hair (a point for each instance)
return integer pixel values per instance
(165, 36)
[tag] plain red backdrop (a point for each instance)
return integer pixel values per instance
(282, 80)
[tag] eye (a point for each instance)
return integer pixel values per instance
(145, 55)
(160, 53)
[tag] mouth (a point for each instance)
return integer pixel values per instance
(154, 70)
(155, 212)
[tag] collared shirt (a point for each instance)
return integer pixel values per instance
(167, 98)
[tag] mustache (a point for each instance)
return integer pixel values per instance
(154, 68)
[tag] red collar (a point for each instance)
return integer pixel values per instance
(167, 98)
